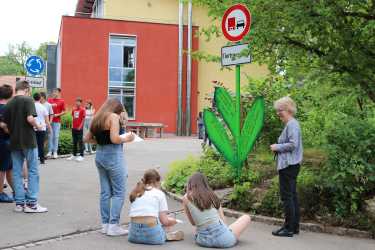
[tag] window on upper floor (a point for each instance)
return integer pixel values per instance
(98, 9)
(122, 71)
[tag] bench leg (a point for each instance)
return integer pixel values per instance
(144, 132)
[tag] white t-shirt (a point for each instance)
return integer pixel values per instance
(48, 107)
(42, 113)
(149, 204)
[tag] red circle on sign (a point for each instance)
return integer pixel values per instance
(246, 30)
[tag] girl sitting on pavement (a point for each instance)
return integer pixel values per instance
(150, 223)
(203, 209)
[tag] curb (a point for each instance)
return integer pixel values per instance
(310, 227)
(54, 239)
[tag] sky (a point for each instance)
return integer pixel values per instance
(33, 21)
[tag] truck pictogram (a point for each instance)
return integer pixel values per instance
(240, 24)
(234, 24)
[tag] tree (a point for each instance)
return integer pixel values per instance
(14, 60)
(42, 50)
(19, 54)
(327, 39)
(9, 67)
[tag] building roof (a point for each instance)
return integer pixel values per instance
(84, 7)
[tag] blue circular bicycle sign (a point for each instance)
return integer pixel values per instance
(34, 65)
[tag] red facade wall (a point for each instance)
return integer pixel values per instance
(84, 66)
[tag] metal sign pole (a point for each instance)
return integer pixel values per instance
(238, 113)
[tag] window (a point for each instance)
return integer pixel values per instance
(58, 64)
(98, 9)
(122, 71)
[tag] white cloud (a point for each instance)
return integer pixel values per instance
(33, 21)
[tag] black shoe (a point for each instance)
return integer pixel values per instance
(296, 231)
(282, 232)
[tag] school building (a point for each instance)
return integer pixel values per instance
(137, 51)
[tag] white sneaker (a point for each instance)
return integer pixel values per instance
(116, 230)
(71, 158)
(19, 208)
(104, 229)
(49, 155)
(55, 155)
(79, 159)
(35, 209)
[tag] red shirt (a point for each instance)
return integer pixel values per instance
(58, 106)
(78, 115)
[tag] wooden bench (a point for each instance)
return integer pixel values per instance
(141, 128)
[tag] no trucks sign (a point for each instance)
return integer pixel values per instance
(236, 22)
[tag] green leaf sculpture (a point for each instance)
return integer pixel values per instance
(233, 143)
(226, 106)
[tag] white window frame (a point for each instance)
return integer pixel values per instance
(123, 88)
(98, 9)
(58, 63)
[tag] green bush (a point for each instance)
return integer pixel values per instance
(217, 170)
(350, 170)
(179, 173)
(65, 142)
(211, 164)
(242, 198)
(67, 120)
(314, 197)
(271, 203)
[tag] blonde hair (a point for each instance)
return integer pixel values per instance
(286, 103)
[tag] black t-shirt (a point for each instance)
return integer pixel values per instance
(3, 136)
(22, 134)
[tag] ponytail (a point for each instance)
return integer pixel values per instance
(150, 177)
(138, 191)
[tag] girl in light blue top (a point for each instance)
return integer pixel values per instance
(204, 211)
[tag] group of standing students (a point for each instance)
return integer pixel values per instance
(81, 121)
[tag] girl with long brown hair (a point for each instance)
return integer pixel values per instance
(204, 211)
(105, 132)
(149, 213)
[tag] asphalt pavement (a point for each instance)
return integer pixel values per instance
(70, 190)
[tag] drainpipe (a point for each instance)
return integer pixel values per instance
(188, 78)
(180, 57)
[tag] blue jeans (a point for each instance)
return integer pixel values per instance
(31, 196)
(216, 235)
(86, 129)
(143, 234)
(53, 139)
(112, 175)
